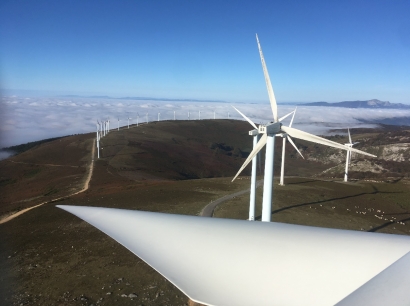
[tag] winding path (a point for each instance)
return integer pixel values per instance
(208, 210)
(85, 187)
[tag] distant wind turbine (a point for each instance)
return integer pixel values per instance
(146, 115)
(174, 115)
(138, 117)
(118, 124)
(129, 121)
(349, 154)
(268, 138)
(158, 115)
(199, 115)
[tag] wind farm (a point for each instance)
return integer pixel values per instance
(131, 166)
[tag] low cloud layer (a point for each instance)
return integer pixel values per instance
(30, 119)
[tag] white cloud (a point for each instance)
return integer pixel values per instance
(26, 120)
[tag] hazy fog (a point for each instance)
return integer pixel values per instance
(30, 119)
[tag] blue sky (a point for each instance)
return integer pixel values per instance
(315, 50)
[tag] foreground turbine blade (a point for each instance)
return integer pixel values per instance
(293, 144)
(246, 118)
(313, 138)
(271, 94)
(350, 138)
(255, 151)
(236, 262)
(389, 287)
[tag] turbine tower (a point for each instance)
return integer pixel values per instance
(349, 154)
(188, 116)
(118, 124)
(285, 136)
(268, 138)
(158, 115)
(138, 117)
(129, 121)
(146, 116)
(199, 115)
(174, 115)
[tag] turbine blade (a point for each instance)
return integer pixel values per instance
(293, 144)
(272, 99)
(284, 117)
(255, 151)
(350, 138)
(293, 117)
(313, 138)
(246, 118)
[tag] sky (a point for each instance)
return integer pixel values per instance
(196, 50)
(315, 50)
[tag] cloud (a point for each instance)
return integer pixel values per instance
(24, 120)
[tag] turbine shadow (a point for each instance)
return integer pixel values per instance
(375, 229)
(376, 191)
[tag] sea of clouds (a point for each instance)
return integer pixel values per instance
(29, 119)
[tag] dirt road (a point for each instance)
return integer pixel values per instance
(85, 187)
(208, 210)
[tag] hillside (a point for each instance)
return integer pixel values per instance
(180, 150)
(50, 257)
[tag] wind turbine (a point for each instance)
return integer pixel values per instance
(108, 125)
(118, 124)
(158, 115)
(174, 115)
(199, 115)
(349, 154)
(256, 135)
(138, 117)
(189, 116)
(146, 116)
(98, 136)
(268, 132)
(129, 121)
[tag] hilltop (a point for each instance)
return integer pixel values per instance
(50, 257)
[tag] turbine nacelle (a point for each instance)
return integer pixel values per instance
(270, 129)
(254, 132)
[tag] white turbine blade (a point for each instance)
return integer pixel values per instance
(389, 287)
(313, 138)
(293, 117)
(246, 118)
(350, 138)
(271, 94)
(287, 115)
(293, 144)
(237, 262)
(255, 151)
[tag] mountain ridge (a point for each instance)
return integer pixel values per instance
(373, 103)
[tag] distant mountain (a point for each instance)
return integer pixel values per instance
(374, 103)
